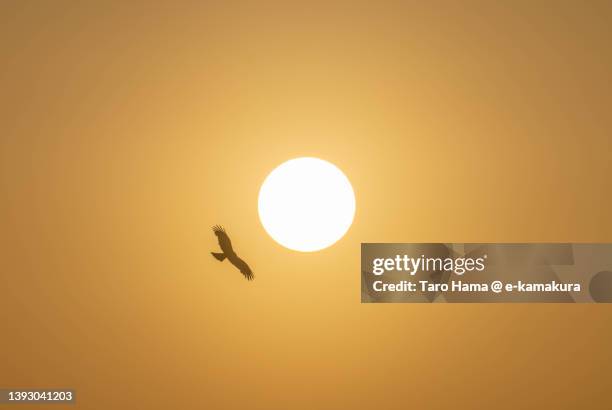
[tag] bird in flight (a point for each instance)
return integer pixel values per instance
(228, 252)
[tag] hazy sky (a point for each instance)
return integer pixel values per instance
(128, 130)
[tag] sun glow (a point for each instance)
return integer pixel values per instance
(306, 204)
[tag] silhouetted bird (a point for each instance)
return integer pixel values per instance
(228, 252)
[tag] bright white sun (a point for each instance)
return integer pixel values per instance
(306, 204)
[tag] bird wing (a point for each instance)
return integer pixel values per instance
(224, 240)
(243, 267)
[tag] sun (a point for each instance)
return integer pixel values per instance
(306, 204)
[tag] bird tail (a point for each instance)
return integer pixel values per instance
(218, 256)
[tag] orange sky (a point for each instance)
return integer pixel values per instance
(122, 124)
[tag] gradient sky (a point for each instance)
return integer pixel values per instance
(129, 129)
